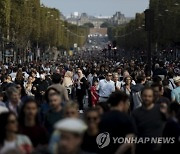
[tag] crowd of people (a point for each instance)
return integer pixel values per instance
(61, 107)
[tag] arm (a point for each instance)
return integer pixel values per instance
(126, 146)
(173, 98)
(66, 97)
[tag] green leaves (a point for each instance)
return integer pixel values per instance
(28, 24)
(166, 27)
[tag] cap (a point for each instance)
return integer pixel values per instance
(176, 79)
(71, 125)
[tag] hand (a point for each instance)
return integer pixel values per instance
(34, 88)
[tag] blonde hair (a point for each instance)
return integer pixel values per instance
(70, 105)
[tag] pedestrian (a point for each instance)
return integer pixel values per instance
(55, 113)
(81, 87)
(92, 119)
(127, 86)
(71, 131)
(146, 118)
(136, 100)
(30, 125)
(175, 94)
(117, 83)
(106, 87)
(13, 100)
(9, 139)
(94, 94)
(56, 80)
(68, 83)
(71, 110)
(172, 130)
(117, 122)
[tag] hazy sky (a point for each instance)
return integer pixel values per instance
(99, 7)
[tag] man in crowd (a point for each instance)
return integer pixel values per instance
(176, 92)
(55, 113)
(117, 123)
(56, 80)
(13, 102)
(72, 131)
(106, 87)
(136, 92)
(149, 121)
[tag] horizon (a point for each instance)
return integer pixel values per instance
(108, 7)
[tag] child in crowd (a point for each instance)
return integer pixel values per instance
(94, 94)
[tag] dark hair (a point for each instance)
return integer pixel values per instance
(104, 106)
(174, 107)
(91, 110)
(157, 79)
(140, 78)
(165, 82)
(15, 69)
(147, 88)
(47, 91)
(157, 85)
(56, 78)
(117, 97)
(3, 123)
(22, 114)
(127, 77)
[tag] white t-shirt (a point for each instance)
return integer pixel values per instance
(8, 145)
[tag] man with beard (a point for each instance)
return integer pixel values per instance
(149, 120)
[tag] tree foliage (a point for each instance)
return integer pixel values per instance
(166, 31)
(27, 24)
(89, 25)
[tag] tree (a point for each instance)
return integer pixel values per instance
(89, 25)
(30, 25)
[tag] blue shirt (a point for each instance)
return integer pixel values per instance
(106, 88)
(175, 94)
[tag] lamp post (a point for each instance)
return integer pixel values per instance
(149, 23)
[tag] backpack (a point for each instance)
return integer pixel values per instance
(136, 100)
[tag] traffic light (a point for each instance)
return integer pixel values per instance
(149, 19)
(109, 47)
(114, 44)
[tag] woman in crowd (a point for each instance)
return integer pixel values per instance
(127, 86)
(116, 81)
(68, 82)
(30, 124)
(81, 86)
(9, 139)
(19, 77)
(28, 86)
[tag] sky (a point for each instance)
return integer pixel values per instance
(98, 7)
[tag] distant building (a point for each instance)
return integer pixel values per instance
(118, 18)
(81, 19)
